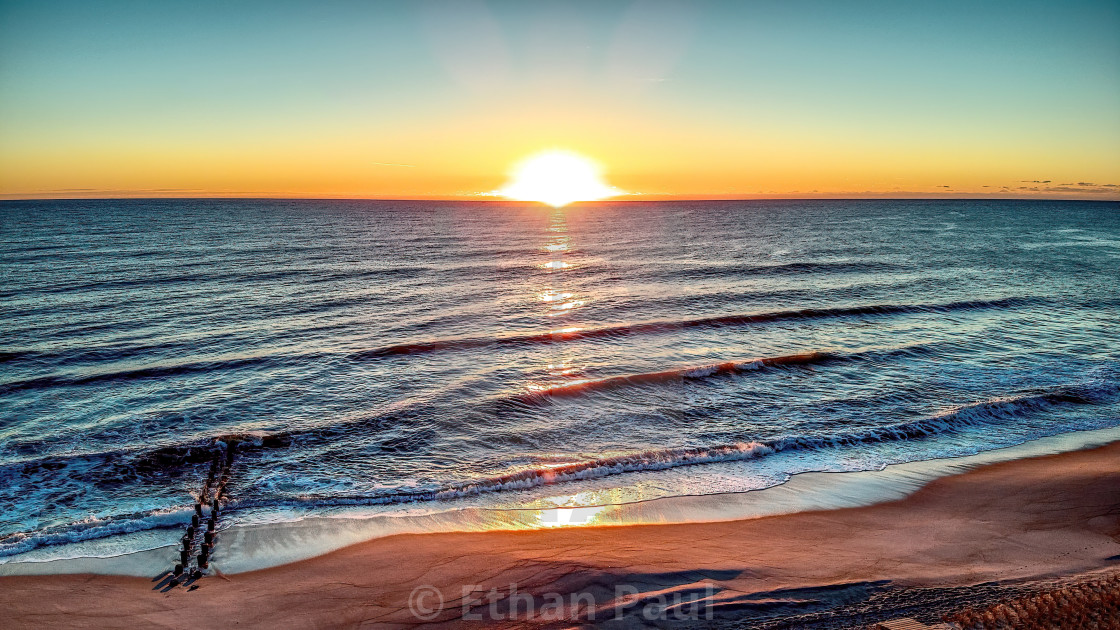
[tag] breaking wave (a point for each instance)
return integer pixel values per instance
(981, 413)
(986, 413)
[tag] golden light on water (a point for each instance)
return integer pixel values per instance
(557, 178)
(553, 296)
(579, 509)
(565, 331)
(566, 306)
(569, 517)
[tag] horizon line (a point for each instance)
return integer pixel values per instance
(647, 199)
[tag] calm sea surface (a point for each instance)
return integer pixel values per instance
(421, 356)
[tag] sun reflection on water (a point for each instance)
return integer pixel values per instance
(553, 296)
(557, 300)
(569, 517)
(562, 309)
(565, 331)
(584, 508)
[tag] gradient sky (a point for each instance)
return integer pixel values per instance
(432, 99)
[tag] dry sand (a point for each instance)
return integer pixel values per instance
(1020, 520)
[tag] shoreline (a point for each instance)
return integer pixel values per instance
(1018, 520)
(260, 546)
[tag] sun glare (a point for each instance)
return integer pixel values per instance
(557, 178)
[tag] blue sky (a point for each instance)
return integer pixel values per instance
(144, 95)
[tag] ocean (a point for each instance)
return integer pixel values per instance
(393, 357)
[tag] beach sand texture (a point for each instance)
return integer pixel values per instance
(1025, 519)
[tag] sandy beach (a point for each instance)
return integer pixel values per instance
(1031, 519)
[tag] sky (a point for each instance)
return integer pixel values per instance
(704, 99)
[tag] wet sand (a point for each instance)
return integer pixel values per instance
(1030, 519)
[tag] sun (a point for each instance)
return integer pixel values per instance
(557, 178)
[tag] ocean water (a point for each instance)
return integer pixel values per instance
(414, 357)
